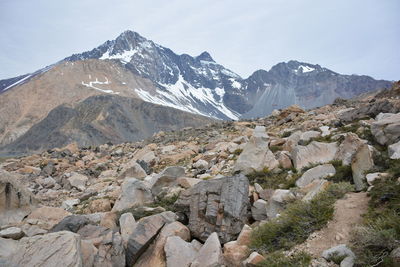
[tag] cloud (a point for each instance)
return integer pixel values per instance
(359, 36)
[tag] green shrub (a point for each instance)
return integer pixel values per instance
(286, 134)
(278, 259)
(275, 148)
(380, 232)
(298, 221)
(238, 151)
(343, 172)
(271, 180)
(167, 202)
(323, 139)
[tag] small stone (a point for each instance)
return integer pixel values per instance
(253, 260)
(12, 232)
(201, 164)
(69, 204)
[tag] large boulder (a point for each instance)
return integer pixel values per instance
(145, 232)
(256, 155)
(134, 192)
(78, 181)
(387, 130)
(127, 225)
(235, 252)
(362, 162)
(132, 169)
(259, 210)
(166, 179)
(210, 254)
(180, 253)
(109, 249)
(278, 201)
(315, 152)
(7, 248)
(348, 148)
(15, 200)
(218, 205)
(155, 255)
(49, 250)
(316, 173)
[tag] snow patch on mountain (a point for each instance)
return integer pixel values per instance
(304, 69)
(91, 85)
(124, 57)
(182, 95)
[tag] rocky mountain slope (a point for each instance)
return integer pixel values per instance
(101, 119)
(268, 192)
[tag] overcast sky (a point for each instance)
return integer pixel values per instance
(347, 36)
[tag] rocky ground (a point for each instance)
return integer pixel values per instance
(194, 197)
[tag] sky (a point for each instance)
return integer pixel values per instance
(346, 36)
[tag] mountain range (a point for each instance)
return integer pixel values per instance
(133, 67)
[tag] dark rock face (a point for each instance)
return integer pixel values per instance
(370, 110)
(71, 223)
(101, 119)
(218, 205)
(145, 232)
(304, 84)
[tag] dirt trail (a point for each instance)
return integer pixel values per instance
(348, 213)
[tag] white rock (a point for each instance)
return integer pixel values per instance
(256, 156)
(7, 247)
(210, 254)
(49, 250)
(69, 204)
(78, 181)
(394, 150)
(12, 232)
(325, 131)
(200, 164)
(179, 252)
(362, 163)
(259, 210)
(371, 177)
(133, 192)
(316, 173)
(127, 225)
(315, 152)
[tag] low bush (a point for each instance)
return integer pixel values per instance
(271, 180)
(238, 151)
(298, 221)
(286, 134)
(279, 259)
(380, 234)
(343, 172)
(275, 148)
